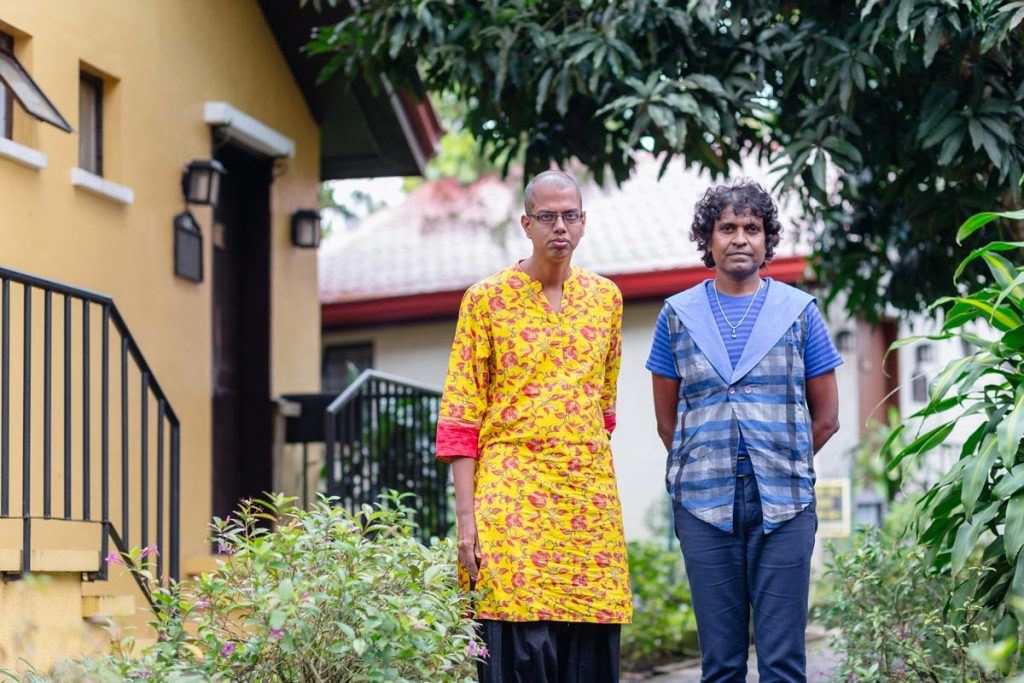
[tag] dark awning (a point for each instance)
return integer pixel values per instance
(361, 134)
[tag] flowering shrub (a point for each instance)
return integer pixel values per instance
(900, 618)
(318, 595)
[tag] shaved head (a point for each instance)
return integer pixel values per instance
(557, 179)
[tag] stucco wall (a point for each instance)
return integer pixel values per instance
(161, 62)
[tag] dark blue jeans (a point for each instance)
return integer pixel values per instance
(730, 573)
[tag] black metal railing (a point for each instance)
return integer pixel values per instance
(144, 462)
(379, 435)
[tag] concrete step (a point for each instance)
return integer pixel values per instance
(108, 606)
(51, 561)
(191, 567)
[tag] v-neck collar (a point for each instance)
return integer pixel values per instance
(537, 287)
(693, 307)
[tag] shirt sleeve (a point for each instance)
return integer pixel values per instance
(464, 400)
(661, 360)
(820, 354)
(612, 362)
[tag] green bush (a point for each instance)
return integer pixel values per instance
(900, 618)
(663, 627)
(317, 595)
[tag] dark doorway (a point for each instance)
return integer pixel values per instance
(242, 428)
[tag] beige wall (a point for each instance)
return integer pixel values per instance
(161, 62)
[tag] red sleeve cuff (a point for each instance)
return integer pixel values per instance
(609, 422)
(456, 441)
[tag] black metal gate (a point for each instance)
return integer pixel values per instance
(379, 435)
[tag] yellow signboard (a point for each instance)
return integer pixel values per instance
(833, 497)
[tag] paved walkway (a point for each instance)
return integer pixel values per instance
(820, 662)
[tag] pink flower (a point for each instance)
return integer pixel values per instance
(225, 548)
(276, 634)
(150, 549)
(113, 558)
(201, 604)
(475, 649)
(228, 649)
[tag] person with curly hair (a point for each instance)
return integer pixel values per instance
(744, 394)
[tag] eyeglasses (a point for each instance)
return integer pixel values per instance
(571, 217)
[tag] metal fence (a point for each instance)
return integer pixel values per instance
(98, 443)
(379, 435)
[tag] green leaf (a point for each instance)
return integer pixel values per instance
(951, 146)
(277, 619)
(843, 148)
(921, 444)
(1017, 586)
(542, 88)
(991, 246)
(1005, 274)
(949, 376)
(1010, 483)
(906, 7)
(1002, 317)
(818, 170)
(1014, 338)
(931, 43)
(1013, 532)
(980, 220)
(966, 539)
(949, 125)
(977, 471)
(1011, 429)
(430, 576)
(359, 646)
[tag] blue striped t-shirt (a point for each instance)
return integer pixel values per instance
(820, 354)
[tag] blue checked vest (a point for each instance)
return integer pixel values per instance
(764, 396)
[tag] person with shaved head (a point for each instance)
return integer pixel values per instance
(526, 416)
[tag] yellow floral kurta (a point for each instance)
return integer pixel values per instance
(531, 393)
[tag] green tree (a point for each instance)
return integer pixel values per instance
(892, 119)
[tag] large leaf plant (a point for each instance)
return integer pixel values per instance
(974, 515)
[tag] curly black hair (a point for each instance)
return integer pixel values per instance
(743, 195)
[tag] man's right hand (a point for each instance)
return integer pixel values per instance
(469, 546)
(465, 514)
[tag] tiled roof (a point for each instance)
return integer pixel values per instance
(447, 236)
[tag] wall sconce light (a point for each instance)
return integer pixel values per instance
(188, 247)
(306, 228)
(200, 182)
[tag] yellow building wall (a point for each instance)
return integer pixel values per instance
(161, 62)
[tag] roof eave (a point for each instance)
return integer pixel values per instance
(445, 304)
(396, 134)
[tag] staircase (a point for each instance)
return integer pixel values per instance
(89, 467)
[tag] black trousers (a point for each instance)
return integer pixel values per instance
(549, 652)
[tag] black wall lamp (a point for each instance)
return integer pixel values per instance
(306, 228)
(188, 247)
(200, 182)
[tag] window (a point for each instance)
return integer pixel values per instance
(924, 355)
(17, 84)
(342, 364)
(6, 98)
(90, 124)
(844, 341)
